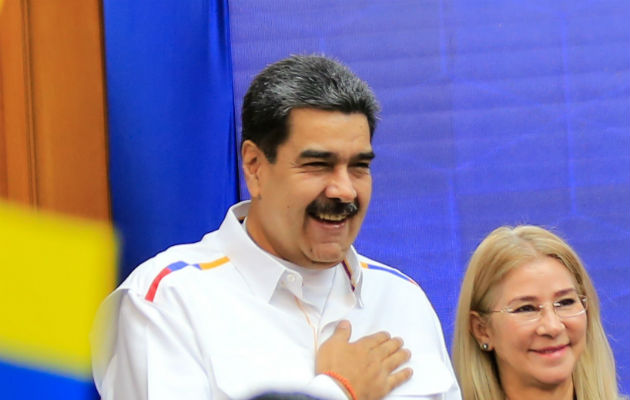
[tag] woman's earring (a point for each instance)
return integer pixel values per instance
(485, 346)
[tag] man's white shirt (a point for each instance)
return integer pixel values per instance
(222, 318)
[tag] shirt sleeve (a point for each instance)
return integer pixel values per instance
(433, 376)
(453, 392)
(146, 352)
(325, 387)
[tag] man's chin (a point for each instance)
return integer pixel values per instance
(327, 255)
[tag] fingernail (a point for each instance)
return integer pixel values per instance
(344, 324)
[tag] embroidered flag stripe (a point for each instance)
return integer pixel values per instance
(346, 267)
(391, 271)
(176, 266)
(214, 263)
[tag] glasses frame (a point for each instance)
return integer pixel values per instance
(512, 311)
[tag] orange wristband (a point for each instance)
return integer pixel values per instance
(344, 382)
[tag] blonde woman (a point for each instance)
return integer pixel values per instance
(528, 323)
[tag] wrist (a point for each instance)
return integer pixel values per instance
(343, 382)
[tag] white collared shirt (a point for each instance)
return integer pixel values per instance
(222, 318)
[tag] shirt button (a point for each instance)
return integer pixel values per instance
(290, 278)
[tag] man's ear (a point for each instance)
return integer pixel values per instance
(480, 330)
(253, 158)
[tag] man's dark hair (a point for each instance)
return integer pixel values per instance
(301, 82)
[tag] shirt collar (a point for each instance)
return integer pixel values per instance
(354, 271)
(259, 268)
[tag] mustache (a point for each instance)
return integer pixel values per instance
(333, 207)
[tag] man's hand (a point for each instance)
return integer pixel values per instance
(367, 364)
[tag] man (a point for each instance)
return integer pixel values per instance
(277, 299)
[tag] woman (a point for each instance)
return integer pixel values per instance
(528, 323)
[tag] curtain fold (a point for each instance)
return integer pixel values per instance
(172, 139)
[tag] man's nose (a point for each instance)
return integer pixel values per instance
(341, 186)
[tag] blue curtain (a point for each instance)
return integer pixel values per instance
(494, 113)
(171, 122)
(498, 113)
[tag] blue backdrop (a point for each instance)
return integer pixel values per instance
(171, 122)
(493, 113)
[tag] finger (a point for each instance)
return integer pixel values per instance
(396, 359)
(373, 340)
(398, 378)
(387, 348)
(342, 332)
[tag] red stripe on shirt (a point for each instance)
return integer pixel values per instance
(156, 282)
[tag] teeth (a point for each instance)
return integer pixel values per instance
(331, 217)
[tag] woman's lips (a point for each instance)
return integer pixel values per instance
(550, 351)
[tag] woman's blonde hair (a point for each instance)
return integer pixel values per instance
(504, 249)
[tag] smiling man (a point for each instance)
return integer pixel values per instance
(309, 203)
(277, 299)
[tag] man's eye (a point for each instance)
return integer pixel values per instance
(525, 308)
(316, 164)
(363, 165)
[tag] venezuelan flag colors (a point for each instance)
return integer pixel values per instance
(54, 273)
